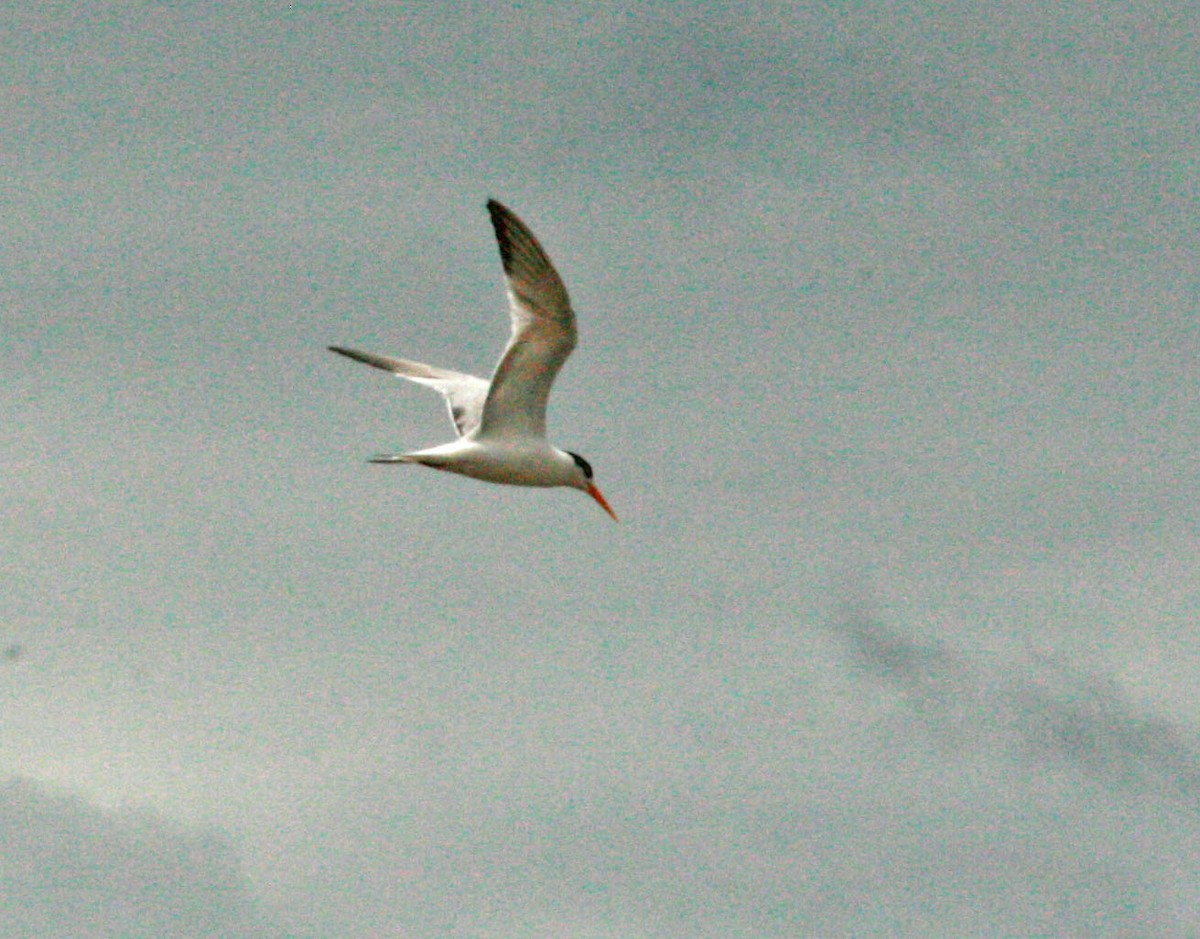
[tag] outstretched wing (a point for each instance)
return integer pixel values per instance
(464, 394)
(543, 333)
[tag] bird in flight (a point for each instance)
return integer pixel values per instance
(501, 423)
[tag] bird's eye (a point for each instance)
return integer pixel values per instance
(582, 464)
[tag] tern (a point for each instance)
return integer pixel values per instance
(501, 423)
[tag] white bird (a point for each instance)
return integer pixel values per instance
(501, 424)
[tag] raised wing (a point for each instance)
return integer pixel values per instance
(464, 394)
(543, 333)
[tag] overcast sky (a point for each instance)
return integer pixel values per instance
(888, 362)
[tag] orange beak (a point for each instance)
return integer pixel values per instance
(595, 494)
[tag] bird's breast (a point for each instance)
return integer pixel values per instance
(498, 463)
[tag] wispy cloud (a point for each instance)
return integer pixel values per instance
(1035, 711)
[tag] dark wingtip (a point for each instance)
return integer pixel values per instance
(500, 217)
(348, 353)
(498, 212)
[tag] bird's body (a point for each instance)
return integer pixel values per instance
(502, 423)
(515, 463)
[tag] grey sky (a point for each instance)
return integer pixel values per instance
(882, 309)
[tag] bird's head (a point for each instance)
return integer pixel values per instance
(583, 480)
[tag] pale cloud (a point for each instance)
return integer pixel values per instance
(71, 869)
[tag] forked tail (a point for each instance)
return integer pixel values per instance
(393, 458)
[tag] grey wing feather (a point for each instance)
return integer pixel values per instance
(465, 394)
(543, 332)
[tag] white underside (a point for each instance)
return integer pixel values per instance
(515, 464)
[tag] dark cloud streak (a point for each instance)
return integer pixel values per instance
(1038, 713)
